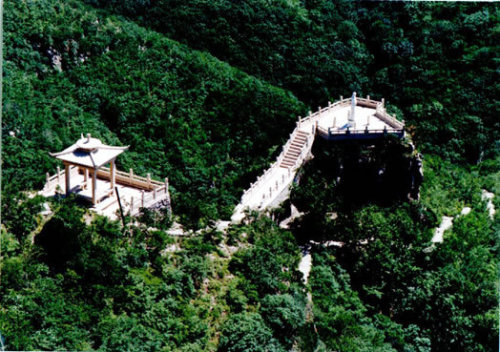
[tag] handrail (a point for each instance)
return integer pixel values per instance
(360, 131)
(122, 177)
(134, 176)
(273, 167)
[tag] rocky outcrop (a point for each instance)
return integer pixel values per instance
(416, 175)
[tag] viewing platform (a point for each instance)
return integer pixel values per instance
(353, 118)
(347, 119)
(86, 176)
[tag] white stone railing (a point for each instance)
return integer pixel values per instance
(280, 181)
(380, 113)
(313, 117)
(274, 167)
(331, 131)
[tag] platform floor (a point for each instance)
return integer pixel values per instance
(108, 203)
(363, 117)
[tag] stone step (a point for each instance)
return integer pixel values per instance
(293, 152)
(289, 160)
(292, 161)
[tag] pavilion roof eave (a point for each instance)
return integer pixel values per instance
(63, 152)
(75, 147)
(104, 155)
(112, 147)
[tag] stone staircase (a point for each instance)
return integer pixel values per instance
(294, 150)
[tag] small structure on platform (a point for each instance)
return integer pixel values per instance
(85, 174)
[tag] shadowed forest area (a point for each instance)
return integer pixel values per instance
(206, 92)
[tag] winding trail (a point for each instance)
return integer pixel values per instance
(305, 264)
(447, 221)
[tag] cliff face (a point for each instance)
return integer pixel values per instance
(383, 171)
(416, 172)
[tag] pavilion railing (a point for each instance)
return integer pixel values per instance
(153, 191)
(149, 198)
(130, 179)
(57, 179)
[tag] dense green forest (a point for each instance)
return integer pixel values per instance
(205, 92)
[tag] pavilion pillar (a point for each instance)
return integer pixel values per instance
(94, 184)
(67, 174)
(112, 170)
(85, 177)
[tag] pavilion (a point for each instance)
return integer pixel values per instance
(89, 154)
(86, 174)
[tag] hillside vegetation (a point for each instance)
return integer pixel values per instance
(205, 93)
(435, 61)
(187, 116)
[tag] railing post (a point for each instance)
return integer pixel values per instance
(367, 97)
(383, 102)
(341, 97)
(131, 174)
(166, 184)
(329, 104)
(131, 204)
(142, 198)
(148, 177)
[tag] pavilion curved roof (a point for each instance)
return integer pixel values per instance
(89, 152)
